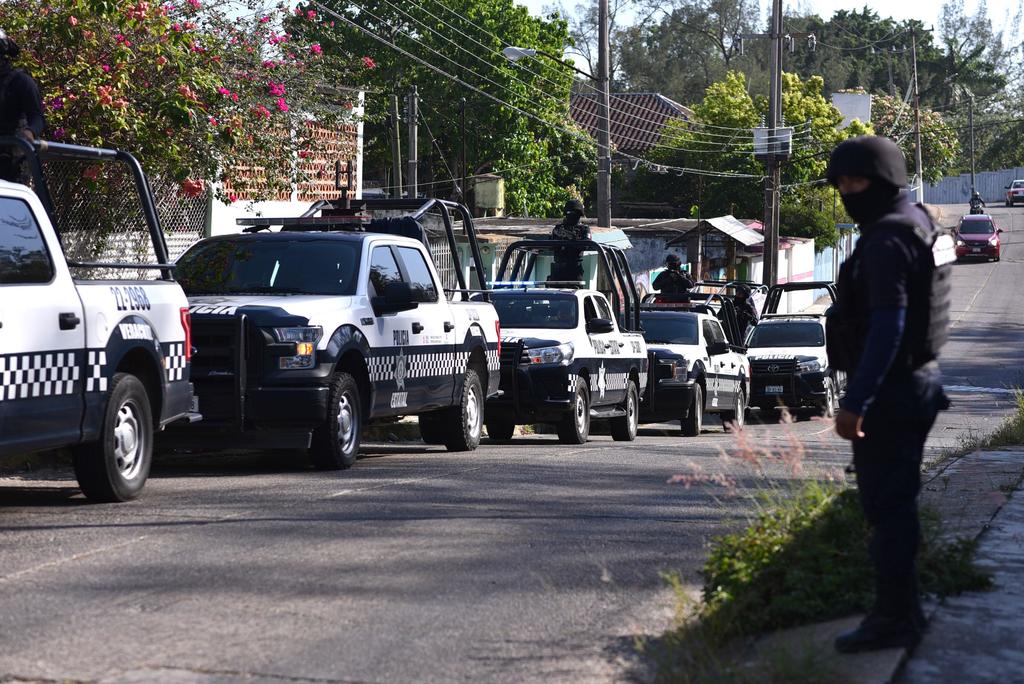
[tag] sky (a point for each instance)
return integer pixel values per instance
(926, 10)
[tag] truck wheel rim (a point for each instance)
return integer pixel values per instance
(129, 441)
(346, 423)
(581, 413)
(473, 412)
(631, 411)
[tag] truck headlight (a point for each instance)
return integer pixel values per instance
(305, 340)
(808, 366)
(677, 369)
(561, 354)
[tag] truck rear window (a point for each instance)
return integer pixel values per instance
(796, 334)
(680, 329)
(536, 311)
(246, 266)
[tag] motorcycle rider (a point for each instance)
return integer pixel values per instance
(977, 203)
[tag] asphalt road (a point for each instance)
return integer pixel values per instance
(525, 562)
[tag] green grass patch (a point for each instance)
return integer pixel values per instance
(802, 560)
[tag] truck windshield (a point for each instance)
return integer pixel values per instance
(681, 329)
(248, 266)
(795, 334)
(536, 311)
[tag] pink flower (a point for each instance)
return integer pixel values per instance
(269, 64)
(303, 154)
(282, 106)
(369, 63)
(316, 49)
(73, 21)
(213, 121)
(223, 91)
(57, 103)
(276, 89)
(186, 92)
(264, 20)
(176, 27)
(59, 134)
(192, 187)
(261, 111)
(234, 97)
(232, 198)
(298, 11)
(194, 4)
(161, 60)
(106, 68)
(91, 172)
(311, 14)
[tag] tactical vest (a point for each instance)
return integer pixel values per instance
(927, 325)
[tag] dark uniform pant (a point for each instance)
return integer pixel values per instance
(888, 464)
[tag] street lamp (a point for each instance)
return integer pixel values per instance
(604, 161)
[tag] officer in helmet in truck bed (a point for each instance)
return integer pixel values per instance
(567, 263)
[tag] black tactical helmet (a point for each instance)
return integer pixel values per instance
(868, 156)
(673, 260)
(742, 290)
(573, 205)
(8, 48)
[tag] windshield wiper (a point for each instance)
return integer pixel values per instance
(266, 289)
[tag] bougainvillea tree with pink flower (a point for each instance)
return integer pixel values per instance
(200, 90)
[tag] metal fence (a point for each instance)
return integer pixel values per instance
(957, 189)
(98, 214)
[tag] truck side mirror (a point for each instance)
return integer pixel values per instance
(719, 348)
(397, 297)
(598, 326)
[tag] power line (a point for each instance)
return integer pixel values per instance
(621, 137)
(531, 115)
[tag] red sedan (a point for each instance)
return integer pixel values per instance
(978, 237)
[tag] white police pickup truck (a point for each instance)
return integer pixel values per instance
(790, 367)
(696, 360)
(95, 365)
(306, 334)
(566, 361)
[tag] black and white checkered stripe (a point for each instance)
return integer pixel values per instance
(174, 361)
(382, 367)
(96, 380)
(46, 374)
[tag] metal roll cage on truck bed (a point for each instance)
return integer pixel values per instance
(95, 365)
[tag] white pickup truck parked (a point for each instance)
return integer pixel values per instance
(95, 365)
(306, 334)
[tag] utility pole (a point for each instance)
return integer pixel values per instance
(604, 162)
(463, 196)
(917, 120)
(970, 117)
(413, 114)
(396, 148)
(774, 170)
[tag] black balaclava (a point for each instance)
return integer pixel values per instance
(878, 159)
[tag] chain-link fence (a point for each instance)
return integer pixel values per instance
(97, 211)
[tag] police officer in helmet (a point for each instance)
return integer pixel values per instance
(885, 330)
(21, 110)
(746, 313)
(568, 261)
(673, 280)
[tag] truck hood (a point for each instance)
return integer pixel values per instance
(533, 338)
(768, 353)
(268, 310)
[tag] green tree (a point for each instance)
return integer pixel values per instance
(539, 159)
(198, 93)
(940, 142)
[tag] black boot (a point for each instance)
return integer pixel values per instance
(877, 632)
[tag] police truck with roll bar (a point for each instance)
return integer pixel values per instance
(571, 353)
(307, 333)
(95, 365)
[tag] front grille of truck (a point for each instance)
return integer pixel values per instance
(773, 367)
(219, 366)
(512, 354)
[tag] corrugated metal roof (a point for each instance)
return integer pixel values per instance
(637, 119)
(735, 229)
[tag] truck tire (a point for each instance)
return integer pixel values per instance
(115, 467)
(624, 428)
(575, 428)
(737, 417)
(336, 442)
(828, 407)
(693, 421)
(432, 428)
(500, 430)
(465, 421)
